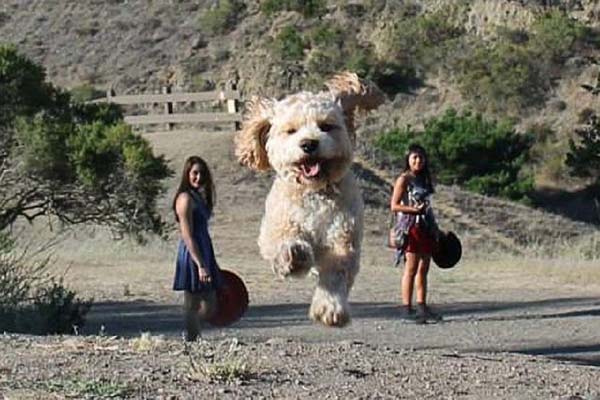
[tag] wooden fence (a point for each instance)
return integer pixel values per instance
(228, 99)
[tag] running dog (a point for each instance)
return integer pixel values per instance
(314, 211)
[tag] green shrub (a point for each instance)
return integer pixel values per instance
(326, 36)
(516, 72)
(361, 62)
(308, 8)
(321, 63)
(22, 84)
(548, 154)
(483, 156)
(17, 278)
(57, 309)
(288, 45)
(330, 47)
(504, 78)
(583, 159)
(32, 300)
(334, 49)
(222, 17)
(555, 35)
(419, 41)
(85, 92)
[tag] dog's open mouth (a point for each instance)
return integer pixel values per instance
(311, 168)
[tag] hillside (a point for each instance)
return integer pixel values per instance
(135, 46)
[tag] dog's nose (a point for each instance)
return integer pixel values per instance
(309, 146)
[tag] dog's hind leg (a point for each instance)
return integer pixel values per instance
(330, 301)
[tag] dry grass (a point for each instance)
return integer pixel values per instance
(226, 362)
(147, 343)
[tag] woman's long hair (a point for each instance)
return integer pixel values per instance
(207, 185)
(424, 174)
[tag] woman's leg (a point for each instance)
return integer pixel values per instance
(423, 261)
(424, 313)
(408, 278)
(191, 303)
(207, 305)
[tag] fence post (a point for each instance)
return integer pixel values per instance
(168, 106)
(232, 105)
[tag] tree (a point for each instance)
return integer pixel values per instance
(583, 159)
(77, 162)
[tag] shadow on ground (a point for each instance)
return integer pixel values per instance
(579, 205)
(132, 318)
(379, 322)
(580, 354)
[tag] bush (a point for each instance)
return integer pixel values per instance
(308, 8)
(420, 41)
(331, 48)
(517, 71)
(583, 159)
(222, 17)
(503, 78)
(17, 278)
(487, 157)
(555, 36)
(32, 300)
(57, 309)
(86, 92)
(289, 45)
(22, 84)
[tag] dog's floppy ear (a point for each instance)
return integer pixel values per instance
(251, 140)
(355, 95)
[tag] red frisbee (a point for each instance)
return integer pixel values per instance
(232, 300)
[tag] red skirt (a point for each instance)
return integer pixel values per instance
(419, 241)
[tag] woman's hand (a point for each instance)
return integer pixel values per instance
(420, 208)
(203, 275)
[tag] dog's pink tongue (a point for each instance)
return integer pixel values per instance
(311, 169)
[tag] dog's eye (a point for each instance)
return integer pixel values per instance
(325, 127)
(291, 131)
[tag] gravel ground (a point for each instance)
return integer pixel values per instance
(152, 367)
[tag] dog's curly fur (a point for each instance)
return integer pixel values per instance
(314, 212)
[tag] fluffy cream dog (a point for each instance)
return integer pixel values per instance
(314, 212)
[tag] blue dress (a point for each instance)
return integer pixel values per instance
(186, 272)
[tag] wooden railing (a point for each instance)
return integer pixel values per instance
(228, 98)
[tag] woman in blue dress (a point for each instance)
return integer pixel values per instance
(196, 272)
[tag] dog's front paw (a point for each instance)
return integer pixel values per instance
(329, 311)
(295, 258)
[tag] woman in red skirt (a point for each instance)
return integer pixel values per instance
(411, 201)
